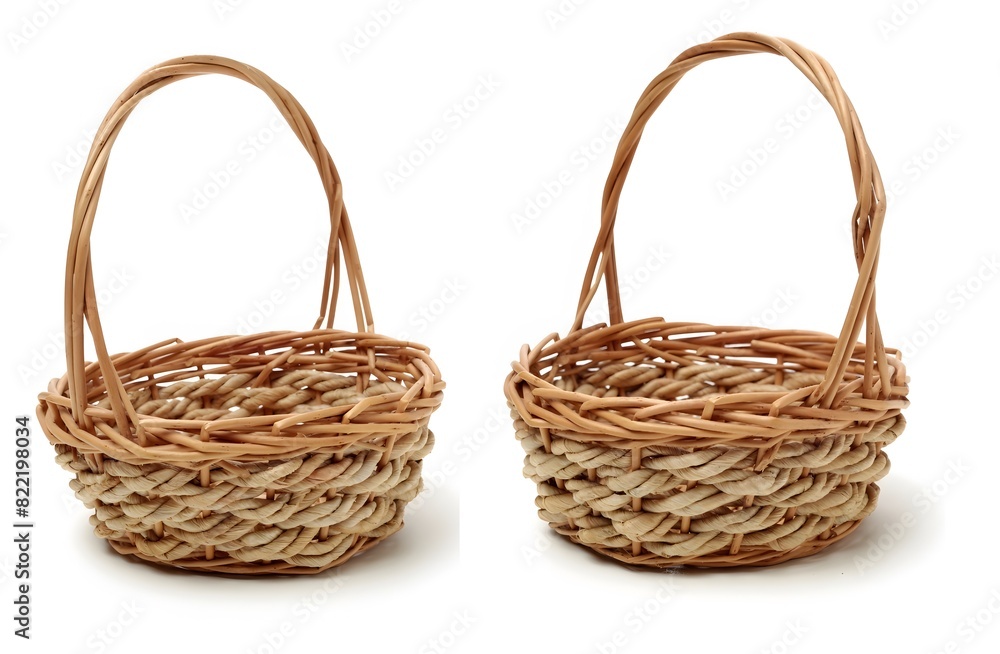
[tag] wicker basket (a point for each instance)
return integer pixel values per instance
(282, 452)
(663, 444)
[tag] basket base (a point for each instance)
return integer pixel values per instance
(235, 567)
(745, 558)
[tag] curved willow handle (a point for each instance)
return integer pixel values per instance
(80, 300)
(866, 220)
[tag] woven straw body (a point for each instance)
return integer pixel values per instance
(663, 444)
(283, 452)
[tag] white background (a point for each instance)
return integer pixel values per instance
(448, 265)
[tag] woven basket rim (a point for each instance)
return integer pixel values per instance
(647, 415)
(377, 418)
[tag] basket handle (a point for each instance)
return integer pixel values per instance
(866, 220)
(80, 298)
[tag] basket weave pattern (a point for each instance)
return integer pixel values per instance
(665, 443)
(282, 452)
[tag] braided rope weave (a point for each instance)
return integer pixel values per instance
(768, 483)
(282, 452)
(663, 444)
